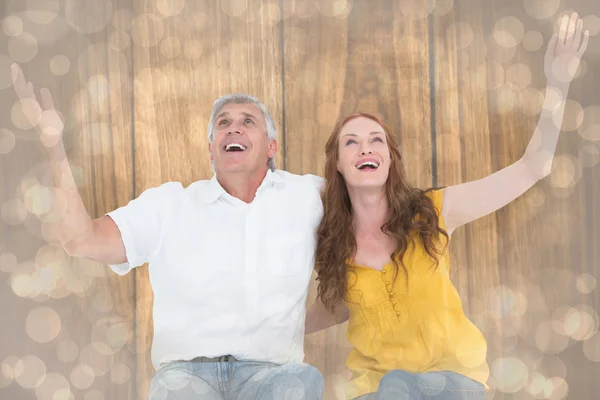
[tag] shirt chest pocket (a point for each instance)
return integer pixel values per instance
(289, 254)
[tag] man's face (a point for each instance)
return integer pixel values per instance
(240, 142)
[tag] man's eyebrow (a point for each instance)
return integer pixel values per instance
(226, 113)
(249, 115)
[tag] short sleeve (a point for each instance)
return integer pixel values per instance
(437, 197)
(141, 224)
(317, 181)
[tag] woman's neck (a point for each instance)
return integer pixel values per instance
(369, 209)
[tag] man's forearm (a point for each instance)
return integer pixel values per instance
(75, 222)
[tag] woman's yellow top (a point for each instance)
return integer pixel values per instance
(418, 328)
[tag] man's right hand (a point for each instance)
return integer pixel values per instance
(43, 117)
(81, 236)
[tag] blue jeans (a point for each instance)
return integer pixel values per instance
(235, 380)
(438, 385)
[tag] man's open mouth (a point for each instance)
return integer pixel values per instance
(235, 147)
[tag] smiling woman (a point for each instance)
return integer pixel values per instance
(364, 167)
(362, 146)
(383, 258)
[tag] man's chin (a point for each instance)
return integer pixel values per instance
(240, 166)
(234, 166)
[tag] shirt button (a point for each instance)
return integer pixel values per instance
(383, 271)
(398, 314)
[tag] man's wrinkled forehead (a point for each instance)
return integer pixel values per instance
(226, 114)
(241, 109)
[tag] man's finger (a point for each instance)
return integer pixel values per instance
(552, 45)
(20, 84)
(46, 97)
(33, 96)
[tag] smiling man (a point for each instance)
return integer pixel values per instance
(230, 258)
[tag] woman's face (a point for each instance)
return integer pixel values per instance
(363, 154)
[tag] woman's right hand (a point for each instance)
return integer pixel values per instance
(43, 117)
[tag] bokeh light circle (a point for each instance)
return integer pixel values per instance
(89, 16)
(23, 47)
(29, 372)
(43, 324)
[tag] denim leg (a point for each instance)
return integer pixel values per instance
(397, 385)
(267, 381)
(462, 387)
(184, 380)
(437, 385)
(368, 396)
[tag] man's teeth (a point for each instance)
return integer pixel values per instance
(236, 145)
(367, 164)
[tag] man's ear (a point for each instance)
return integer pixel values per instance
(272, 148)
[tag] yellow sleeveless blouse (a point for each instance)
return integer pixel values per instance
(417, 328)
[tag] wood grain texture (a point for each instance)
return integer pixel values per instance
(107, 163)
(449, 130)
(314, 94)
(334, 65)
(480, 236)
(517, 248)
(539, 235)
(99, 135)
(184, 59)
(588, 154)
(137, 98)
(88, 83)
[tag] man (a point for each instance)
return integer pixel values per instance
(230, 258)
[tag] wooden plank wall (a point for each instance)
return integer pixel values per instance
(459, 82)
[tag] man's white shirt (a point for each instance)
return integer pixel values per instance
(228, 277)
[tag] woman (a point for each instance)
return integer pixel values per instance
(382, 255)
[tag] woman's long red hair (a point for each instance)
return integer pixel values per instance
(336, 242)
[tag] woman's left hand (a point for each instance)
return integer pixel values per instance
(565, 50)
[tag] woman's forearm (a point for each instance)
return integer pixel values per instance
(542, 146)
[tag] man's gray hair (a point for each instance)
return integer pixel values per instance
(241, 98)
